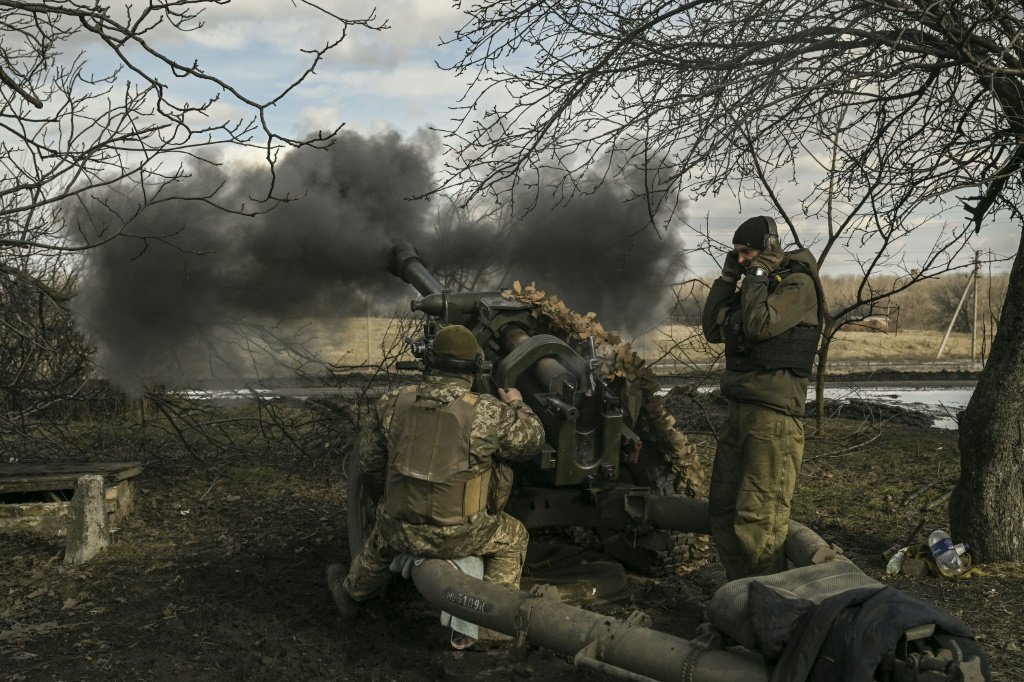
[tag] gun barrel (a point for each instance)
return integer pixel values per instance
(406, 264)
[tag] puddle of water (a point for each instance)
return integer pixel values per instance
(941, 403)
(225, 394)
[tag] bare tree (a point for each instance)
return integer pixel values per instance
(94, 97)
(67, 130)
(470, 226)
(916, 109)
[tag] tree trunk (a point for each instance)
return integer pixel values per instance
(987, 507)
(819, 378)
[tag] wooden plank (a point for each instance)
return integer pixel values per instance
(25, 468)
(61, 475)
(49, 519)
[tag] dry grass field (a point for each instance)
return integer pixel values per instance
(903, 346)
(359, 341)
(366, 341)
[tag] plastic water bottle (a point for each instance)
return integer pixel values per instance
(946, 556)
(896, 561)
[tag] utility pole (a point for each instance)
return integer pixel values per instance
(956, 313)
(988, 327)
(367, 331)
(974, 318)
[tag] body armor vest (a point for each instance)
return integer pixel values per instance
(793, 349)
(432, 476)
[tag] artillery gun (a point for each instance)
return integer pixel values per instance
(593, 462)
(596, 471)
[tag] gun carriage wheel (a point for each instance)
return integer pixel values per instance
(361, 504)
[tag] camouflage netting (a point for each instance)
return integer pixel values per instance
(645, 409)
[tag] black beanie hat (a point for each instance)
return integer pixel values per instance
(752, 231)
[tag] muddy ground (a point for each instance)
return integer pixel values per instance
(218, 572)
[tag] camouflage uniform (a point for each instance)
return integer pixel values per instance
(761, 442)
(512, 432)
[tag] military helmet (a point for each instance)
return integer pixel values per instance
(455, 342)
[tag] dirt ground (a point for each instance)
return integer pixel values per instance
(218, 574)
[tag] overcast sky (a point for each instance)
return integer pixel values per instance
(374, 80)
(389, 79)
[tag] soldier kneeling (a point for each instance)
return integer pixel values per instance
(436, 450)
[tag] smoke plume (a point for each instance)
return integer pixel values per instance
(173, 295)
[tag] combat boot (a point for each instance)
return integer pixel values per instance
(348, 606)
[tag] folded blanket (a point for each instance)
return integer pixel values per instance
(472, 566)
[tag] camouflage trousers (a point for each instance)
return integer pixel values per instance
(499, 539)
(752, 482)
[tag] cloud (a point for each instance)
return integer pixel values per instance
(411, 84)
(283, 27)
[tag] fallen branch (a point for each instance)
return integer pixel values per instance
(847, 450)
(940, 499)
(910, 497)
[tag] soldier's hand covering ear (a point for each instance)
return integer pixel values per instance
(770, 256)
(731, 269)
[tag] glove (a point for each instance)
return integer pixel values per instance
(769, 258)
(732, 270)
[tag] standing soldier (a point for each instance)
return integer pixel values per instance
(770, 327)
(435, 451)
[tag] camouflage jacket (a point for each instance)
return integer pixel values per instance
(510, 432)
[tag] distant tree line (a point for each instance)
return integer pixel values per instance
(927, 306)
(930, 304)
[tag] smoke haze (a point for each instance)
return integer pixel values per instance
(174, 299)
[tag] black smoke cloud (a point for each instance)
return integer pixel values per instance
(602, 251)
(161, 300)
(613, 248)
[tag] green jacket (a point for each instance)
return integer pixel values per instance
(765, 314)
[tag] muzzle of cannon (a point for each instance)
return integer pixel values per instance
(406, 264)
